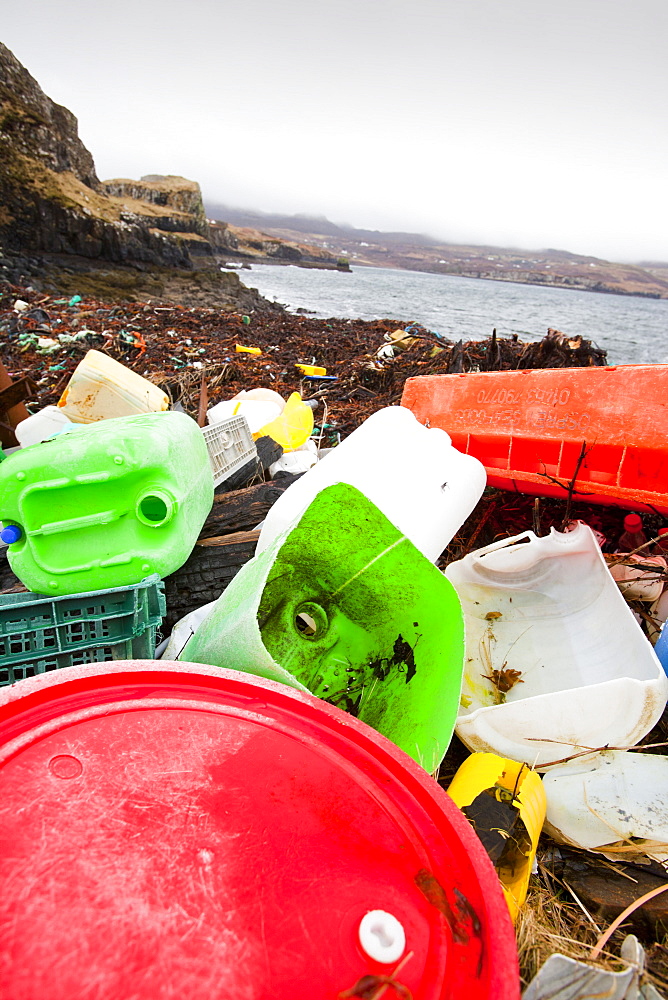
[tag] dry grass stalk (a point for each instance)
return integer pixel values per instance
(547, 924)
(551, 921)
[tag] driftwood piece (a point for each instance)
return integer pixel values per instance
(12, 406)
(13, 395)
(9, 582)
(250, 474)
(242, 510)
(203, 401)
(230, 546)
(213, 563)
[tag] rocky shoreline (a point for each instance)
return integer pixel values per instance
(68, 274)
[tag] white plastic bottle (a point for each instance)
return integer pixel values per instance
(412, 473)
(41, 425)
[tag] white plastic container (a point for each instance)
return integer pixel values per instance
(185, 629)
(423, 485)
(297, 461)
(555, 661)
(257, 412)
(614, 802)
(41, 426)
(268, 395)
(101, 388)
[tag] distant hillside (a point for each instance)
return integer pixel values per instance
(308, 225)
(417, 252)
(251, 246)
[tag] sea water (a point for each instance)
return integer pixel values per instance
(633, 330)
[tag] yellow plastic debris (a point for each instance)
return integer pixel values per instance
(240, 349)
(101, 387)
(293, 427)
(311, 369)
(401, 339)
(505, 803)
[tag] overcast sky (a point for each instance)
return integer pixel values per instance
(514, 122)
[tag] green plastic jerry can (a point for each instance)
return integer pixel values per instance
(343, 605)
(106, 504)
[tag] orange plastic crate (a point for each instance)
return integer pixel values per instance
(528, 428)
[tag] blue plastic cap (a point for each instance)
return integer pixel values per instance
(11, 533)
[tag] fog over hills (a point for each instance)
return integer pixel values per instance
(420, 252)
(307, 224)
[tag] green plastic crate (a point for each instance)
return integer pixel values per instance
(40, 633)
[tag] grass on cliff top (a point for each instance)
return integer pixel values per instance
(179, 236)
(63, 188)
(170, 182)
(68, 191)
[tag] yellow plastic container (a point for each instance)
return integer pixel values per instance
(101, 388)
(401, 339)
(293, 427)
(311, 369)
(505, 803)
(240, 349)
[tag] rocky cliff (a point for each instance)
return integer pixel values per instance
(32, 125)
(180, 200)
(120, 238)
(52, 200)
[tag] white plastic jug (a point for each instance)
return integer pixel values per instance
(412, 473)
(555, 661)
(614, 802)
(41, 426)
(268, 395)
(297, 461)
(101, 388)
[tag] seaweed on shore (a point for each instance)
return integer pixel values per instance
(179, 348)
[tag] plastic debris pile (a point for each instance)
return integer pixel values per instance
(175, 346)
(243, 498)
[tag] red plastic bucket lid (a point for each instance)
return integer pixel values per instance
(176, 830)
